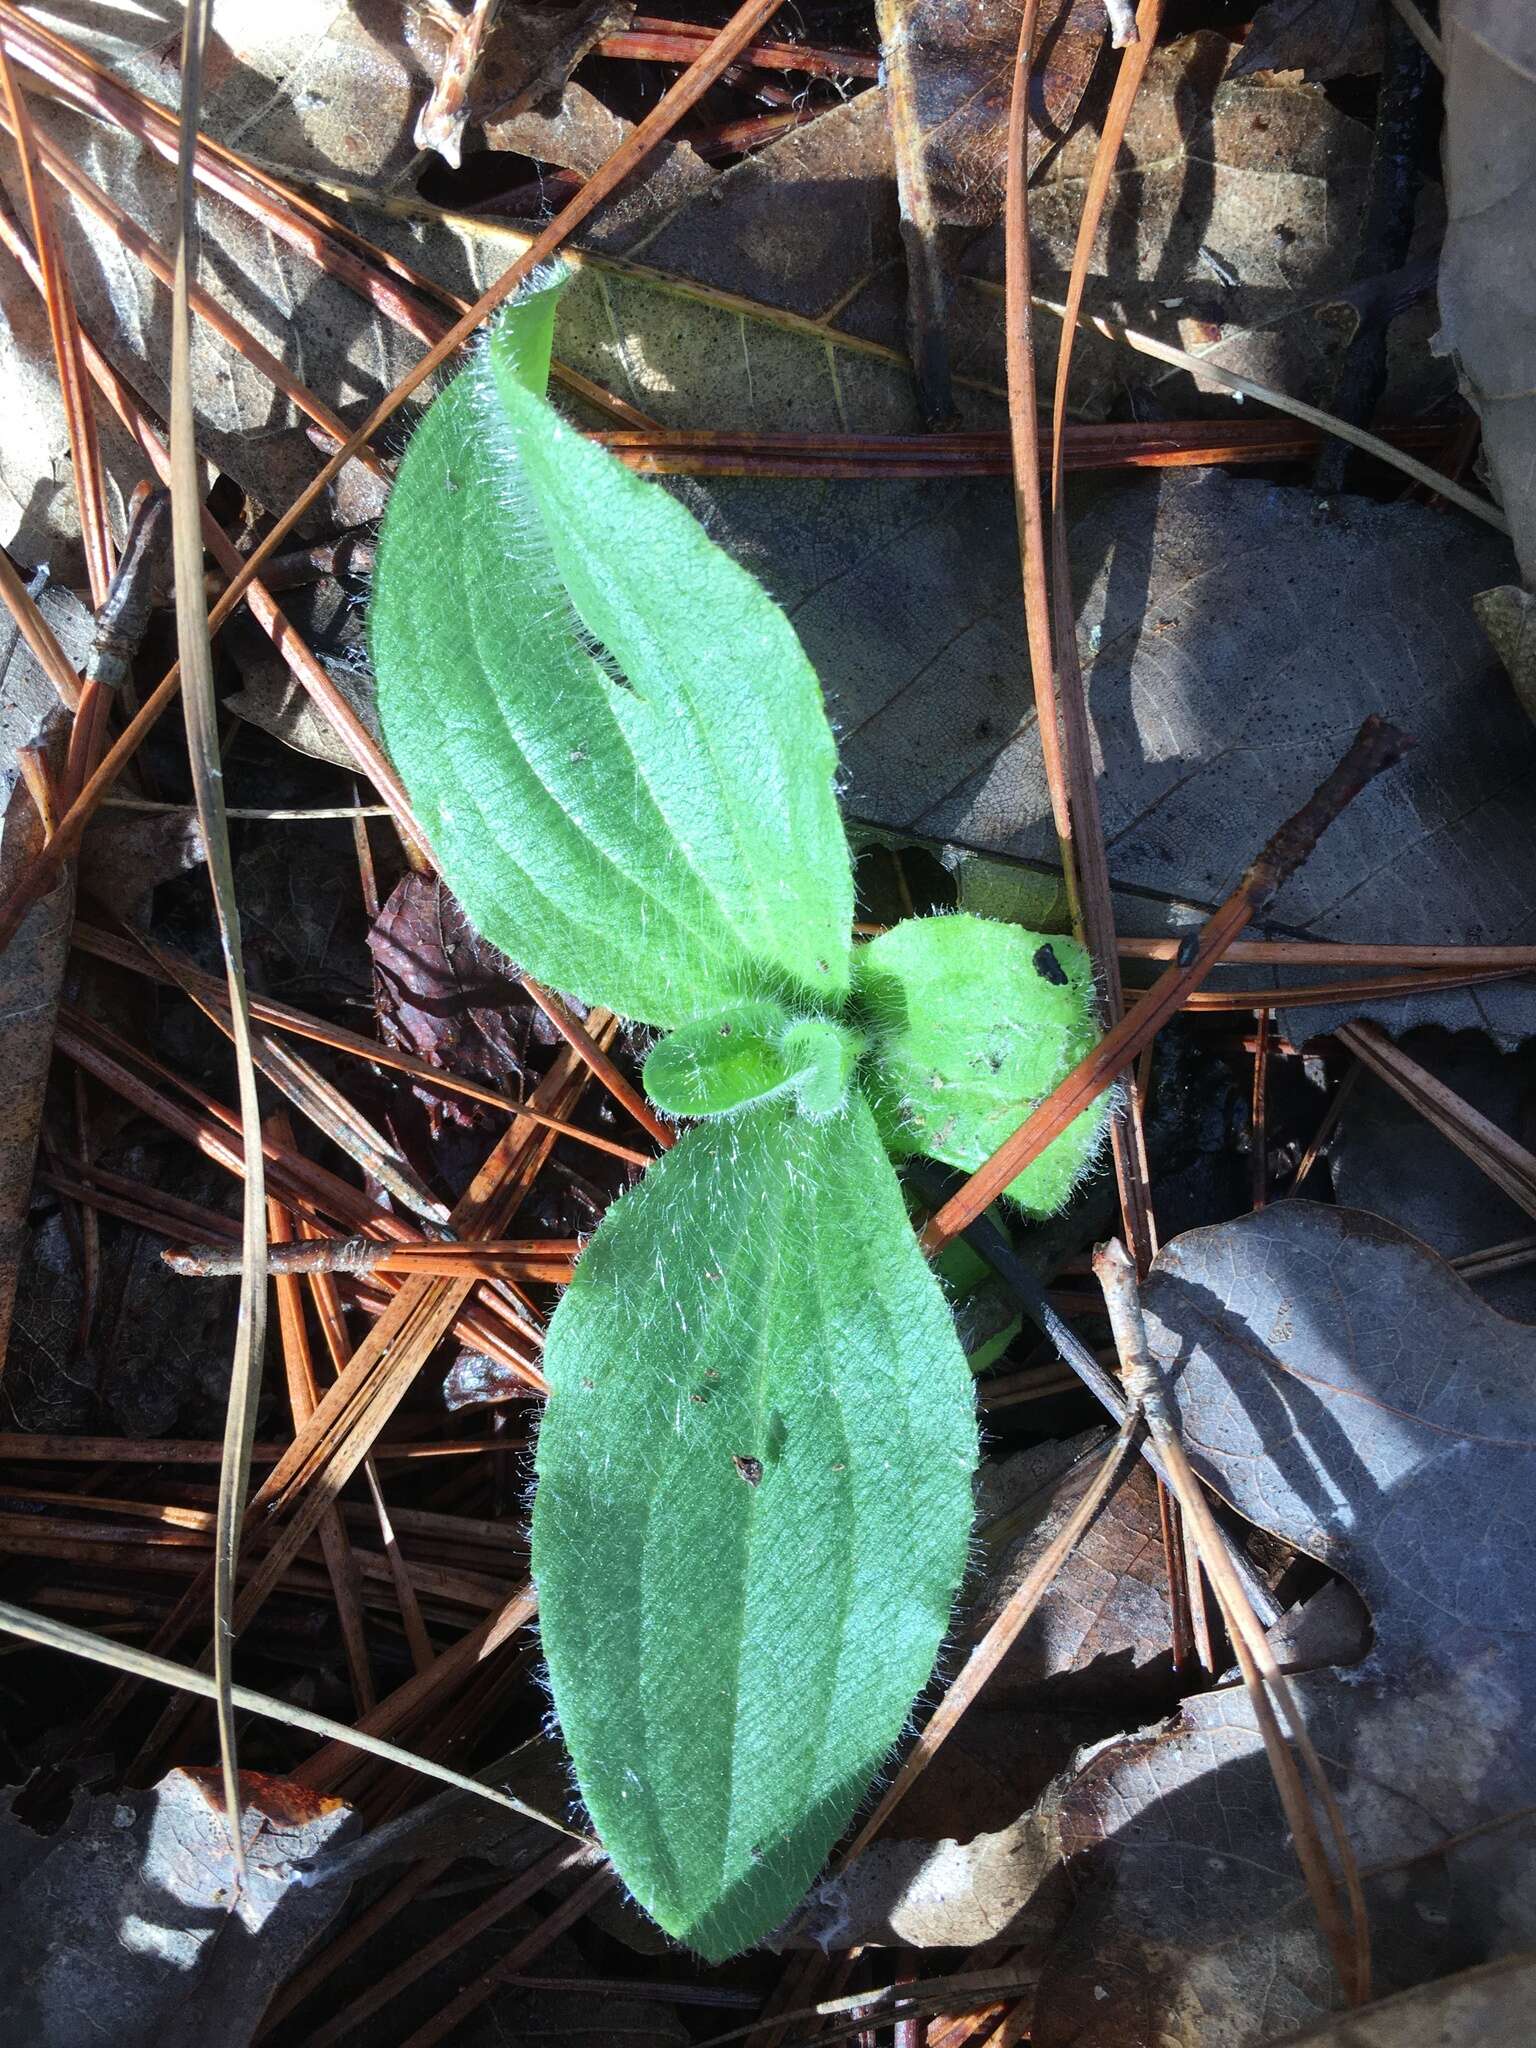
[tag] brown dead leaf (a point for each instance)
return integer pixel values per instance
(125, 855)
(1231, 229)
(1321, 39)
(447, 996)
(526, 64)
(270, 696)
(1487, 274)
(127, 1925)
(1489, 2007)
(963, 1855)
(1340, 1386)
(950, 67)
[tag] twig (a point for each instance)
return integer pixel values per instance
(1376, 747)
(1348, 1939)
(528, 1257)
(303, 1395)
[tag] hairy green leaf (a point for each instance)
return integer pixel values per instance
(752, 1053)
(607, 728)
(752, 1511)
(972, 1024)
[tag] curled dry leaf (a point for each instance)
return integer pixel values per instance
(951, 66)
(126, 1925)
(1340, 1386)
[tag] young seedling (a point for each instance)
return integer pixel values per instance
(754, 1471)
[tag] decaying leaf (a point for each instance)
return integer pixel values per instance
(524, 62)
(127, 1925)
(448, 996)
(950, 66)
(126, 854)
(1487, 285)
(1321, 39)
(1507, 615)
(1487, 2007)
(1340, 1386)
(271, 697)
(1231, 229)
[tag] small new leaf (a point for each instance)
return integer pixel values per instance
(608, 729)
(749, 1054)
(972, 1023)
(752, 1511)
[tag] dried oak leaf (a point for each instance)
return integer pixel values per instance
(447, 996)
(1487, 287)
(1339, 1385)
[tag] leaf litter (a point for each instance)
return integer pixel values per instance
(1102, 1816)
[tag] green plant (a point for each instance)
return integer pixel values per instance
(754, 1472)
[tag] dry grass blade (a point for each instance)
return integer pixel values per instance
(1003, 1633)
(84, 448)
(78, 1642)
(1095, 905)
(1326, 422)
(1348, 1936)
(196, 661)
